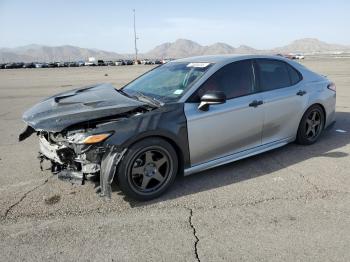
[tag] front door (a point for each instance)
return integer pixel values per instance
(230, 127)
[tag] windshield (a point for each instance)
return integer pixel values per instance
(168, 82)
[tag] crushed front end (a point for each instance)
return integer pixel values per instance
(80, 155)
(69, 159)
(74, 128)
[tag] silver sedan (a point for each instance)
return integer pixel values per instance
(183, 117)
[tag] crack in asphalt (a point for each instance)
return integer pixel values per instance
(8, 210)
(321, 194)
(317, 189)
(260, 201)
(194, 232)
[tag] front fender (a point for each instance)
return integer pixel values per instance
(168, 122)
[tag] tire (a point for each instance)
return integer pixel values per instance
(148, 169)
(311, 126)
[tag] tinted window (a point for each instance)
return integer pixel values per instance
(294, 75)
(234, 80)
(272, 74)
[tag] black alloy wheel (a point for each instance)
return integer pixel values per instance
(148, 169)
(311, 126)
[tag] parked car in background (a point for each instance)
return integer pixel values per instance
(164, 61)
(41, 65)
(157, 62)
(59, 64)
(91, 61)
(292, 56)
(51, 65)
(109, 63)
(10, 65)
(299, 56)
(128, 62)
(29, 65)
(90, 64)
(100, 62)
(73, 64)
(146, 62)
(119, 62)
(13, 65)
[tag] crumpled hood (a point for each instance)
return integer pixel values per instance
(72, 107)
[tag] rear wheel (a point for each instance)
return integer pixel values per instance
(148, 169)
(311, 126)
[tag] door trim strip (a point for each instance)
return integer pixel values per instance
(236, 156)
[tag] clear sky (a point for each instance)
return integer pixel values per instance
(107, 24)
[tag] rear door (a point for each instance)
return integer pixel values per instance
(284, 98)
(230, 127)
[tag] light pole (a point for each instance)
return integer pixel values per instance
(135, 36)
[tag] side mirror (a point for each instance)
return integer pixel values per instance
(211, 98)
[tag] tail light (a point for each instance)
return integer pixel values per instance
(332, 87)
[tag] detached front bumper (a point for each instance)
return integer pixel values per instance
(49, 150)
(77, 163)
(70, 163)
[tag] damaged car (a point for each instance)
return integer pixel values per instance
(182, 117)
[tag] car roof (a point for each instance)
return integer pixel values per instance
(218, 59)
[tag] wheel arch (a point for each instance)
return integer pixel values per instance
(324, 113)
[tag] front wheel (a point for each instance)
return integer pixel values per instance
(148, 169)
(311, 126)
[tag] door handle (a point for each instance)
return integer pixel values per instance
(256, 103)
(301, 93)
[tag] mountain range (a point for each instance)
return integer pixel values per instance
(41, 53)
(179, 48)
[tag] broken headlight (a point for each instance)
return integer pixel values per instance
(87, 139)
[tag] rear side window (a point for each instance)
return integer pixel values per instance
(235, 80)
(295, 76)
(272, 74)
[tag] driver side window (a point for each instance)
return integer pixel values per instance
(235, 80)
